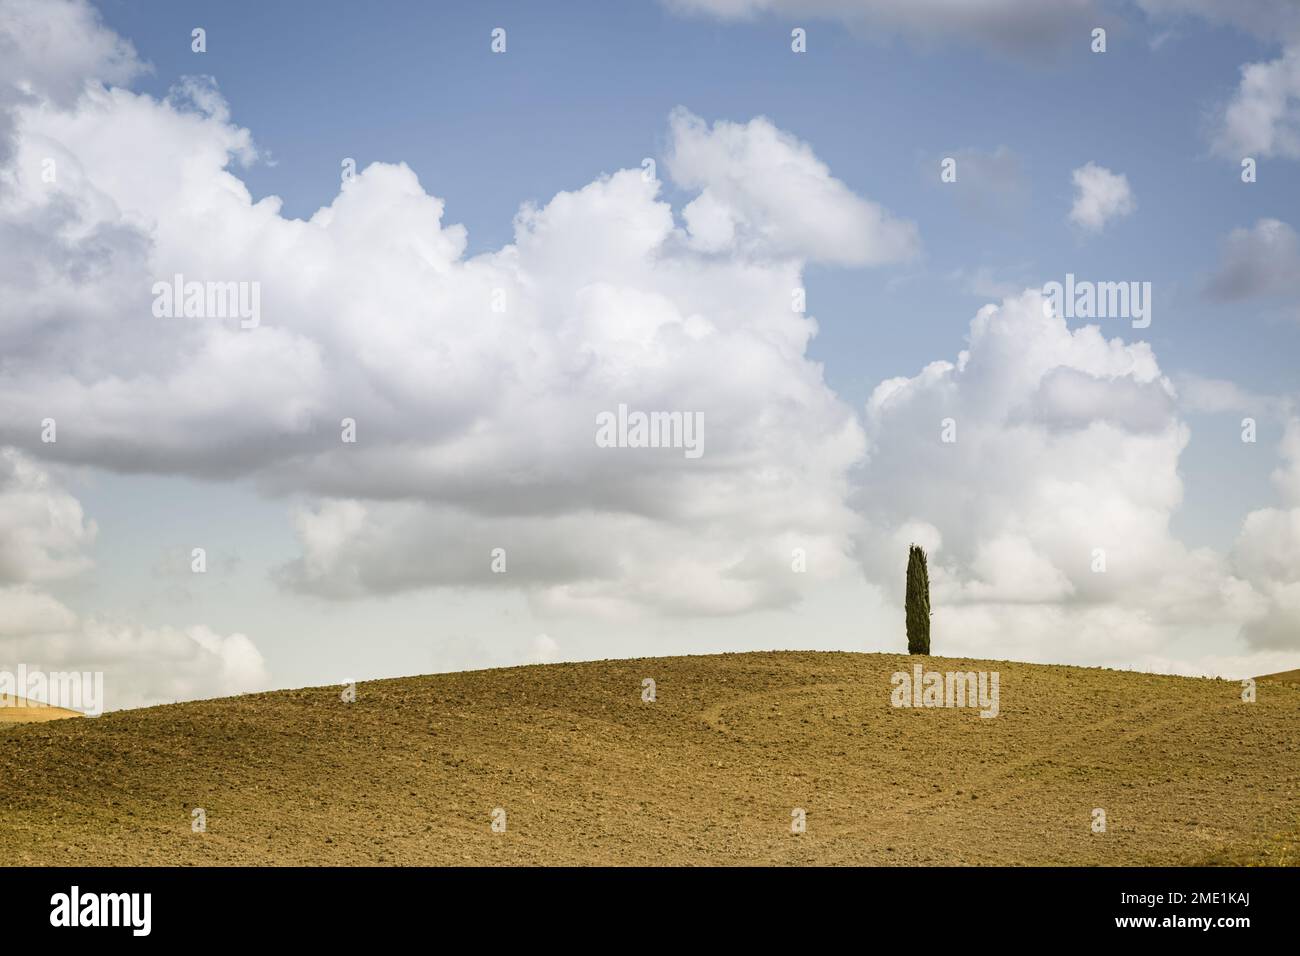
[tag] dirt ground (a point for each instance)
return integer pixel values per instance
(708, 773)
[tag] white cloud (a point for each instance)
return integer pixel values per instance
(764, 193)
(141, 665)
(738, 559)
(474, 426)
(43, 533)
(1067, 448)
(29, 612)
(544, 649)
(43, 536)
(51, 48)
(1027, 29)
(1263, 117)
(1100, 196)
(1213, 395)
(1263, 260)
(1267, 553)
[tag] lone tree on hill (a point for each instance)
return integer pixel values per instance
(918, 602)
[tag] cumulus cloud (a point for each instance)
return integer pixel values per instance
(1267, 552)
(764, 193)
(474, 382)
(29, 613)
(1263, 117)
(1261, 261)
(1197, 393)
(43, 532)
(1025, 29)
(606, 564)
(141, 665)
(51, 48)
(49, 51)
(1100, 196)
(1048, 518)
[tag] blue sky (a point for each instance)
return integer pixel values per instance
(584, 90)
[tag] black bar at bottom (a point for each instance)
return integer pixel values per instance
(336, 905)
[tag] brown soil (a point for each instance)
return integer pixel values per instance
(709, 773)
(1283, 677)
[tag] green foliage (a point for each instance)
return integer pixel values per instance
(917, 603)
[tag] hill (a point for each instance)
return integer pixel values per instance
(19, 710)
(1283, 677)
(708, 773)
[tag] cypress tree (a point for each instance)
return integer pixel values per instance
(917, 604)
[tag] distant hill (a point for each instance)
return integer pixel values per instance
(20, 710)
(1284, 677)
(709, 773)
